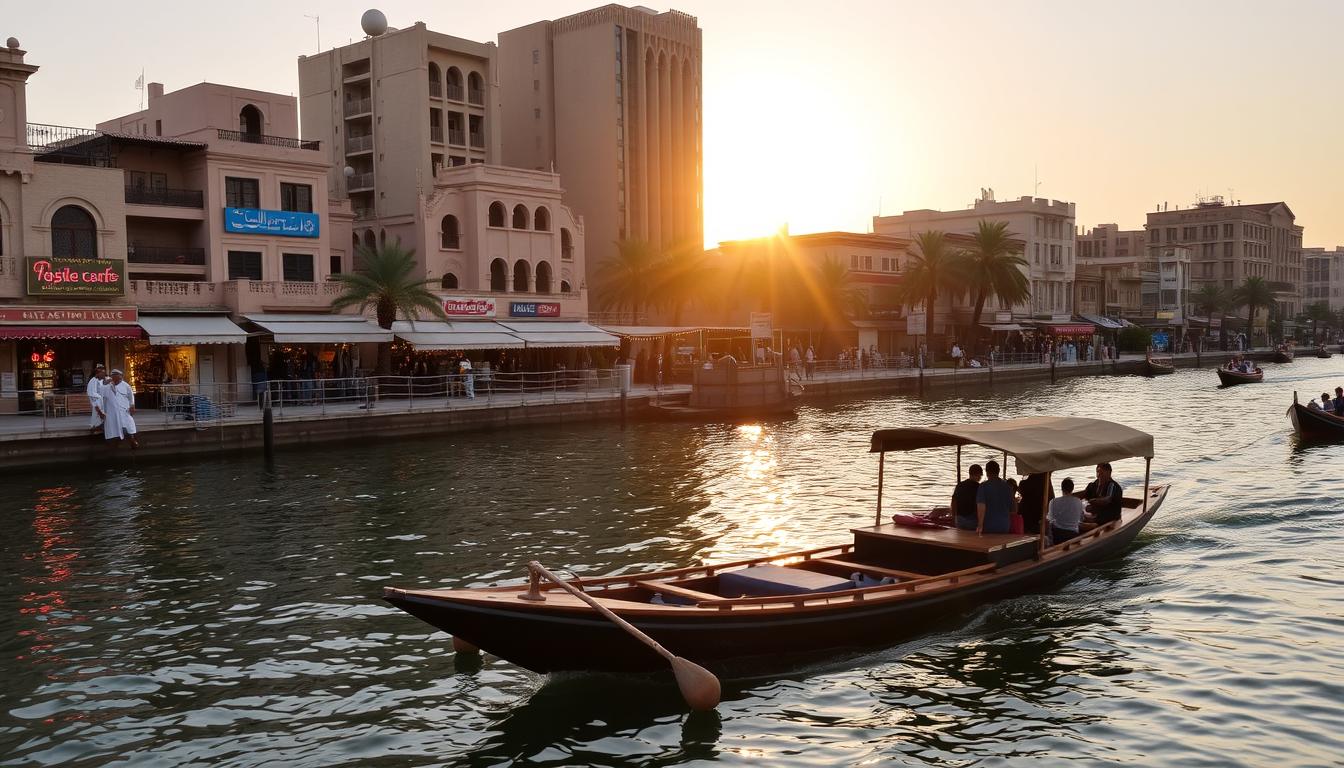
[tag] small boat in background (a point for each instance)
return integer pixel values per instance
(1283, 355)
(1312, 424)
(1231, 377)
(1322, 352)
(1158, 366)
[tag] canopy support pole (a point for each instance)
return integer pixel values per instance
(1147, 467)
(881, 465)
(958, 463)
(1045, 506)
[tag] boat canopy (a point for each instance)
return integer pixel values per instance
(1039, 443)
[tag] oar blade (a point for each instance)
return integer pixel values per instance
(699, 687)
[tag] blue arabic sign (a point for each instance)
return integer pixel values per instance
(534, 309)
(254, 221)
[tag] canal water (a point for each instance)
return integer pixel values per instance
(219, 612)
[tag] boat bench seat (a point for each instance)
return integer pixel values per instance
(871, 570)
(766, 580)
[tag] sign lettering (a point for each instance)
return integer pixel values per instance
(255, 221)
(534, 309)
(58, 276)
(468, 307)
(72, 315)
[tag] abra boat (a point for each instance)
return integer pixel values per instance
(1322, 352)
(1311, 424)
(1230, 378)
(1158, 366)
(886, 582)
(1283, 356)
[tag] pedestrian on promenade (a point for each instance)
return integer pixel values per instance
(468, 378)
(956, 355)
(94, 390)
(119, 409)
(811, 362)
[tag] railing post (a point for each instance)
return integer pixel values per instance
(410, 394)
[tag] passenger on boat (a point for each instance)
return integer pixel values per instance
(994, 503)
(1036, 494)
(1338, 403)
(1066, 514)
(963, 500)
(1315, 406)
(1104, 497)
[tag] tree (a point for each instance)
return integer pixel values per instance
(1211, 299)
(1316, 313)
(1253, 294)
(630, 278)
(682, 275)
(932, 272)
(992, 267)
(384, 281)
(833, 295)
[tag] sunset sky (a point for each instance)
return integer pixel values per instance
(817, 115)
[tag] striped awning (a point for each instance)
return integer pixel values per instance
(69, 332)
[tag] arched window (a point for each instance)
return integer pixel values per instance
(544, 277)
(369, 241)
(435, 85)
(249, 123)
(520, 216)
(73, 233)
(499, 276)
(355, 236)
(496, 214)
(448, 236)
(564, 286)
(566, 245)
(541, 221)
(475, 88)
(449, 282)
(382, 237)
(454, 83)
(522, 271)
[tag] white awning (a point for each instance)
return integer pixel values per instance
(652, 331)
(171, 330)
(320, 329)
(431, 335)
(543, 334)
(1002, 326)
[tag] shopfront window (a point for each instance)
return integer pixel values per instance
(244, 265)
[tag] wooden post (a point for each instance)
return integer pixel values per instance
(1147, 466)
(881, 464)
(958, 463)
(1045, 508)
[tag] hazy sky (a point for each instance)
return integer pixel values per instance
(817, 112)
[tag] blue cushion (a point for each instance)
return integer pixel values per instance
(763, 580)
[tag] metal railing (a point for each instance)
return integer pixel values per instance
(457, 137)
(436, 134)
(45, 137)
(181, 198)
(273, 141)
(454, 91)
(358, 107)
(358, 144)
(476, 96)
(360, 181)
(154, 254)
(478, 140)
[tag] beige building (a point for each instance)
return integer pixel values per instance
(1229, 243)
(1323, 277)
(1046, 227)
(611, 99)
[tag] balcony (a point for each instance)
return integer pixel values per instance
(270, 141)
(235, 295)
(358, 107)
(478, 140)
(155, 254)
(455, 92)
(181, 198)
(356, 144)
(436, 134)
(457, 138)
(476, 96)
(360, 181)
(363, 214)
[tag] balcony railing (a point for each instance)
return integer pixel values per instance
(43, 137)
(182, 198)
(155, 254)
(364, 213)
(436, 134)
(455, 91)
(360, 181)
(358, 107)
(457, 138)
(435, 89)
(476, 96)
(272, 141)
(478, 140)
(355, 144)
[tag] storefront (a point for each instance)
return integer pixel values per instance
(429, 347)
(298, 347)
(191, 352)
(46, 351)
(1070, 340)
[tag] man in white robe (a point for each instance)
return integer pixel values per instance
(119, 409)
(95, 392)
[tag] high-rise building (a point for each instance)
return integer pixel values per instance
(611, 100)
(1229, 243)
(1323, 277)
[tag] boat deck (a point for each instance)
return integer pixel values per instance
(954, 538)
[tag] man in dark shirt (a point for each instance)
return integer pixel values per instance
(1036, 495)
(1103, 496)
(994, 502)
(1339, 401)
(963, 500)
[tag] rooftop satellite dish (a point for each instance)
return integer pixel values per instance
(373, 22)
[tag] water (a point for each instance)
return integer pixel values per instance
(221, 614)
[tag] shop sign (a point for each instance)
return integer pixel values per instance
(255, 221)
(56, 276)
(534, 309)
(916, 324)
(458, 307)
(71, 315)
(1072, 330)
(1166, 314)
(762, 325)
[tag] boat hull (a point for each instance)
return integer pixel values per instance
(780, 410)
(1283, 357)
(739, 640)
(1157, 369)
(1230, 378)
(1315, 425)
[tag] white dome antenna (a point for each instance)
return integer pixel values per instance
(373, 22)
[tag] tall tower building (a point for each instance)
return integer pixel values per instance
(611, 100)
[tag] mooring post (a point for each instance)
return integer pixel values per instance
(268, 428)
(921, 381)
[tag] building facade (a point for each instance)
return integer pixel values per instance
(1323, 277)
(1136, 281)
(1229, 243)
(611, 99)
(1046, 228)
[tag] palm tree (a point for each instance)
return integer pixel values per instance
(384, 281)
(1210, 299)
(1253, 294)
(630, 278)
(1316, 313)
(932, 272)
(992, 267)
(833, 295)
(682, 276)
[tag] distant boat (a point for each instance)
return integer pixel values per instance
(1283, 356)
(1311, 424)
(1229, 378)
(1322, 352)
(1159, 366)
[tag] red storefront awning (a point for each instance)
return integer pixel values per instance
(69, 332)
(1071, 329)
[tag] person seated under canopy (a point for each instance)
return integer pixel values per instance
(1104, 497)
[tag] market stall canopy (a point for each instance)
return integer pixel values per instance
(429, 335)
(1103, 322)
(168, 330)
(1038, 443)
(554, 334)
(1002, 327)
(320, 329)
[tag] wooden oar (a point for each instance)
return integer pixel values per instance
(699, 687)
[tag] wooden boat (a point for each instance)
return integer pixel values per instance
(1158, 366)
(772, 611)
(1322, 352)
(1283, 356)
(1314, 425)
(1230, 378)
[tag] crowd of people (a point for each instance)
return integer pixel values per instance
(112, 406)
(997, 505)
(1333, 406)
